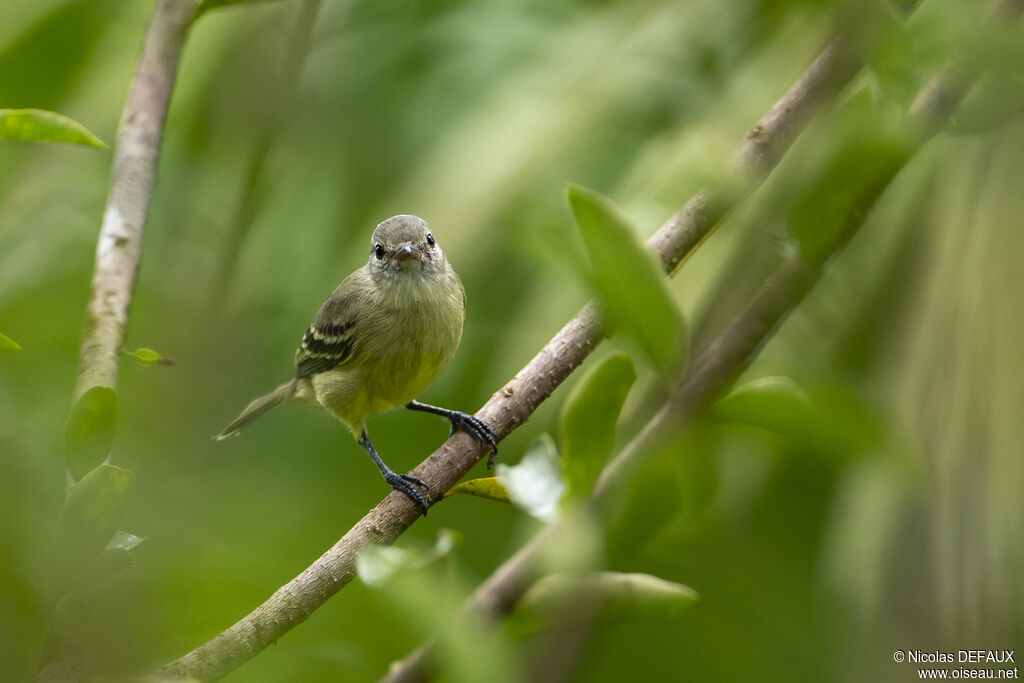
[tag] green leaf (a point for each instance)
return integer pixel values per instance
(629, 280)
(833, 422)
(777, 404)
(45, 126)
(485, 487)
(145, 356)
(8, 344)
(615, 593)
(93, 511)
(588, 421)
(90, 431)
(535, 483)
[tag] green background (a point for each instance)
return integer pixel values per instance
(889, 519)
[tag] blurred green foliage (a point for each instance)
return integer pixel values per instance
(629, 280)
(589, 418)
(90, 431)
(535, 484)
(894, 522)
(89, 520)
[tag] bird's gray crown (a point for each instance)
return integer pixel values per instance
(401, 229)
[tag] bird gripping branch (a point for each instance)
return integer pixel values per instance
(381, 338)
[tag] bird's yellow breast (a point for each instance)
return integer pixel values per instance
(402, 345)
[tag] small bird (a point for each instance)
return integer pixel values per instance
(381, 338)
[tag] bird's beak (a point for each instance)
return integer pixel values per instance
(408, 252)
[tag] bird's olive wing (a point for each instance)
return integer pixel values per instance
(329, 341)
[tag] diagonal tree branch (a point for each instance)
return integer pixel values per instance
(725, 358)
(757, 154)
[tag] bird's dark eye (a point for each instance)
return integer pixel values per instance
(430, 239)
(378, 251)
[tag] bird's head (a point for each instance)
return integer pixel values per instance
(404, 245)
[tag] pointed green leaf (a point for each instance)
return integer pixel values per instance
(629, 280)
(614, 592)
(588, 421)
(45, 126)
(834, 422)
(8, 344)
(146, 356)
(93, 510)
(777, 404)
(485, 487)
(90, 430)
(535, 483)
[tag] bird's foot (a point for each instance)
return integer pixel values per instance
(404, 483)
(476, 428)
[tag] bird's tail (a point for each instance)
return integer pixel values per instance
(282, 394)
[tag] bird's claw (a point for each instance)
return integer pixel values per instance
(404, 483)
(479, 430)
